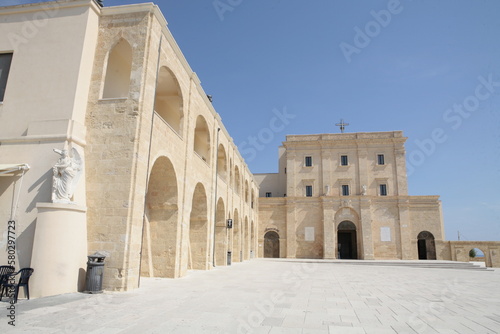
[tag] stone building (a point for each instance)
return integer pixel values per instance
(109, 144)
(345, 196)
(160, 177)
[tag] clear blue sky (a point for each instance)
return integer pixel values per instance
(417, 70)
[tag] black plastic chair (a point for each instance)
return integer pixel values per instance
(4, 272)
(23, 282)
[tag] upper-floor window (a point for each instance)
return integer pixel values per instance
(383, 190)
(309, 191)
(118, 71)
(380, 159)
(308, 161)
(5, 61)
(269, 194)
(344, 161)
(345, 190)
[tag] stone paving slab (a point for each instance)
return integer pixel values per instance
(279, 296)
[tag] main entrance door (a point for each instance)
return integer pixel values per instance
(271, 244)
(346, 241)
(426, 246)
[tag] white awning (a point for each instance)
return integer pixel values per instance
(12, 168)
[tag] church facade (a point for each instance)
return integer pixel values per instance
(345, 196)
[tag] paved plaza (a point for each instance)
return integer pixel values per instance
(280, 296)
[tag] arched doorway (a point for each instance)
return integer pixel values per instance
(198, 230)
(346, 241)
(426, 246)
(158, 255)
(271, 245)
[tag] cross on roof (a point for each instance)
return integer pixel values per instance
(342, 125)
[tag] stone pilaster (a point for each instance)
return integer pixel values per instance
(291, 236)
(330, 237)
(366, 228)
(401, 179)
(363, 170)
(407, 251)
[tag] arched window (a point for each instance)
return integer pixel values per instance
(202, 139)
(168, 100)
(246, 191)
(222, 162)
(117, 81)
(237, 181)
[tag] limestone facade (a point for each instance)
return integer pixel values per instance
(162, 174)
(346, 196)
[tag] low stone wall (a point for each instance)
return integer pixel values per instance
(459, 251)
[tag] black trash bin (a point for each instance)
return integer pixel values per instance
(228, 258)
(95, 270)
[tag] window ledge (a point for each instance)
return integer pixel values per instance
(109, 99)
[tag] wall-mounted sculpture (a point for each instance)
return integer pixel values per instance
(67, 172)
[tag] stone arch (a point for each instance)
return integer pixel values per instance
(118, 71)
(198, 229)
(168, 99)
(271, 244)
(159, 245)
(347, 245)
(252, 199)
(220, 234)
(237, 180)
(222, 162)
(246, 240)
(202, 139)
(237, 250)
(247, 196)
(426, 246)
(347, 213)
(476, 254)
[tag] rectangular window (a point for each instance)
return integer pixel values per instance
(309, 191)
(380, 159)
(5, 61)
(269, 194)
(343, 160)
(308, 162)
(383, 190)
(345, 190)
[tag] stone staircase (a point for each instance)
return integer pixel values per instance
(432, 264)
